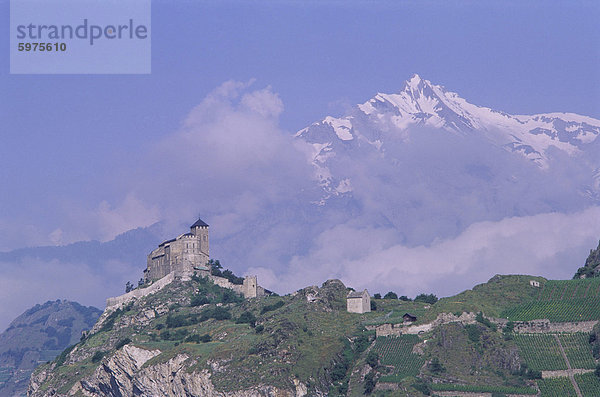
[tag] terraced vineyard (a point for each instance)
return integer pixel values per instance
(578, 350)
(556, 387)
(589, 384)
(540, 352)
(482, 389)
(561, 301)
(570, 289)
(397, 351)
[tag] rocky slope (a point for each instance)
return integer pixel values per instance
(39, 335)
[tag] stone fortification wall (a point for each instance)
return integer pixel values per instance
(140, 292)
(249, 289)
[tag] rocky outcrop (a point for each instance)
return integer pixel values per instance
(124, 374)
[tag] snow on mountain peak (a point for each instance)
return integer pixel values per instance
(375, 128)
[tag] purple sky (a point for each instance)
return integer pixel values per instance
(81, 153)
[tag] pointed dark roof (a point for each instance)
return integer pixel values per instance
(199, 223)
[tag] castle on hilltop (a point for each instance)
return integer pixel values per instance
(182, 255)
(181, 258)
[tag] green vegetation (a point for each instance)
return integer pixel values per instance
(60, 360)
(578, 350)
(274, 306)
(560, 301)
(540, 352)
(482, 320)
(482, 388)
(122, 343)
(198, 338)
(372, 359)
(397, 351)
(556, 387)
(215, 270)
(426, 298)
(98, 356)
(589, 384)
(474, 332)
(572, 310)
(491, 298)
(246, 318)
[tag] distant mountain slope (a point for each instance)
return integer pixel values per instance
(129, 247)
(37, 336)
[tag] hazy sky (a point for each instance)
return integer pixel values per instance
(67, 138)
(72, 144)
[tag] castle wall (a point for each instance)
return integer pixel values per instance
(140, 292)
(182, 255)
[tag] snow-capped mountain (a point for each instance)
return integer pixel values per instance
(421, 105)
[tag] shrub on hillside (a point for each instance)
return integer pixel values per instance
(372, 359)
(473, 332)
(479, 318)
(122, 343)
(427, 298)
(272, 307)
(230, 297)
(199, 300)
(98, 356)
(370, 382)
(246, 318)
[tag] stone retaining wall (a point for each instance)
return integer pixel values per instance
(564, 373)
(523, 327)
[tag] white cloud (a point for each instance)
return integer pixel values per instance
(366, 257)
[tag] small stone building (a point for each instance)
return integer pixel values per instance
(534, 283)
(358, 302)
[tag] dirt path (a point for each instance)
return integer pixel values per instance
(571, 377)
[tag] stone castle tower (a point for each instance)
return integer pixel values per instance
(182, 255)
